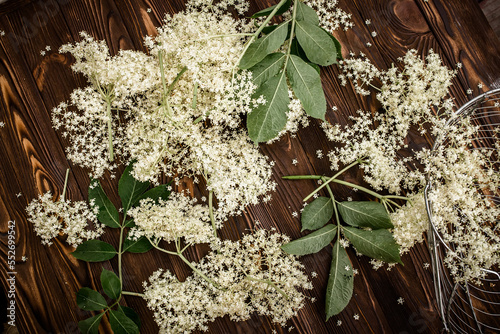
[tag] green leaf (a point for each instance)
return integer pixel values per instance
(268, 10)
(108, 215)
(130, 313)
(377, 244)
(306, 84)
(263, 46)
(338, 46)
(365, 214)
(340, 282)
(130, 189)
(317, 213)
(90, 300)
(94, 251)
(141, 245)
(154, 194)
(317, 44)
(121, 324)
(267, 68)
(306, 13)
(90, 325)
(111, 284)
(311, 243)
(266, 121)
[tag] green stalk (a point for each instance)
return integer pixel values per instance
(353, 185)
(110, 130)
(211, 212)
(332, 178)
(198, 272)
(65, 185)
(129, 293)
(120, 252)
(270, 283)
(335, 210)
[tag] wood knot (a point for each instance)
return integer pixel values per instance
(410, 16)
(41, 70)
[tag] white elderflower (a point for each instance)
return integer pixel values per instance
(171, 219)
(252, 275)
(330, 16)
(410, 222)
(258, 277)
(51, 219)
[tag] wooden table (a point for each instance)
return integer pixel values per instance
(33, 160)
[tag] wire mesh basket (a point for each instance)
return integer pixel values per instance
(468, 307)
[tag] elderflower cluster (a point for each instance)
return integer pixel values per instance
(462, 166)
(410, 222)
(464, 196)
(249, 276)
(72, 219)
(176, 110)
(330, 16)
(177, 217)
(409, 97)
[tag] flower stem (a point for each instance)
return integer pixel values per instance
(211, 212)
(197, 271)
(358, 161)
(270, 283)
(129, 293)
(110, 130)
(65, 185)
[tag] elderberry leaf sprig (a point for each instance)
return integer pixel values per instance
(308, 46)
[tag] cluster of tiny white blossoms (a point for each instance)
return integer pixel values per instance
(408, 97)
(177, 217)
(176, 110)
(464, 196)
(51, 219)
(330, 16)
(252, 275)
(410, 222)
(464, 177)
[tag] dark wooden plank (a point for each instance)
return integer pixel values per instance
(31, 85)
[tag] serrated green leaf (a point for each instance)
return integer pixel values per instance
(130, 189)
(108, 215)
(365, 214)
(317, 44)
(90, 325)
(268, 10)
(313, 242)
(340, 282)
(121, 324)
(306, 84)
(131, 314)
(377, 244)
(111, 284)
(266, 121)
(154, 194)
(140, 245)
(94, 251)
(306, 13)
(317, 213)
(263, 46)
(267, 68)
(90, 300)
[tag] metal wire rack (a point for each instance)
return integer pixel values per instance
(469, 307)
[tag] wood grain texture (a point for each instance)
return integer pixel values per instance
(33, 159)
